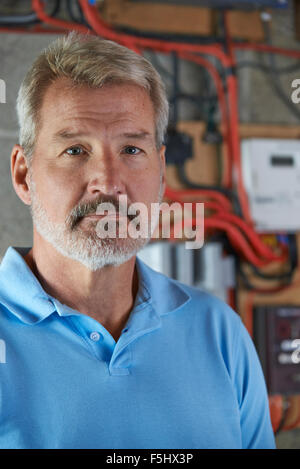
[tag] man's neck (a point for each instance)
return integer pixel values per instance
(106, 295)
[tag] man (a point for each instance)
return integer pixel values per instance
(101, 351)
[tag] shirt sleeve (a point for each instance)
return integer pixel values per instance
(256, 428)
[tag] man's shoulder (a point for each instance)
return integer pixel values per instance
(208, 306)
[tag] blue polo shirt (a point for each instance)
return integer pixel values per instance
(183, 374)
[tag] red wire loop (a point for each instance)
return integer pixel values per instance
(39, 8)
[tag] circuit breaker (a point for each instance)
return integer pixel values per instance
(276, 334)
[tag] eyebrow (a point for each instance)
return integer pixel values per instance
(136, 135)
(67, 134)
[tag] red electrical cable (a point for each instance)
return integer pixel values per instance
(265, 48)
(222, 206)
(247, 231)
(225, 215)
(178, 196)
(248, 313)
(232, 132)
(226, 178)
(232, 89)
(234, 235)
(252, 236)
(238, 240)
(230, 300)
(39, 8)
(35, 29)
(235, 146)
(276, 410)
(92, 16)
(229, 42)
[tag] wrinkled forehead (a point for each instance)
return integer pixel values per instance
(111, 105)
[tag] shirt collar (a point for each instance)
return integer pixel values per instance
(22, 294)
(20, 291)
(165, 294)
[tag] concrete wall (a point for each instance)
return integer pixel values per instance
(16, 54)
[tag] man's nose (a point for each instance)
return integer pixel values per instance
(105, 177)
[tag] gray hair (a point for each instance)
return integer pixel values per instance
(86, 60)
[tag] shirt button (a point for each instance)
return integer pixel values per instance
(94, 336)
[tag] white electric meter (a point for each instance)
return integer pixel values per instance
(271, 174)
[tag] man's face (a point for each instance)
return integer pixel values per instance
(93, 146)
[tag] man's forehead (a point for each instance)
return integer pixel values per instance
(67, 93)
(74, 107)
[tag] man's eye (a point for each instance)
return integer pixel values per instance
(74, 151)
(131, 150)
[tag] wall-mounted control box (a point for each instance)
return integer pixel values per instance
(276, 334)
(271, 174)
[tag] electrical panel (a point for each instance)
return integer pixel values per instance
(276, 334)
(271, 175)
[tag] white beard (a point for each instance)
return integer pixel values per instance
(83, 246)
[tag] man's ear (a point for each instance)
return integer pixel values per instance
(20, 174)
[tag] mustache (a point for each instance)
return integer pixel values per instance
(89, 208)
